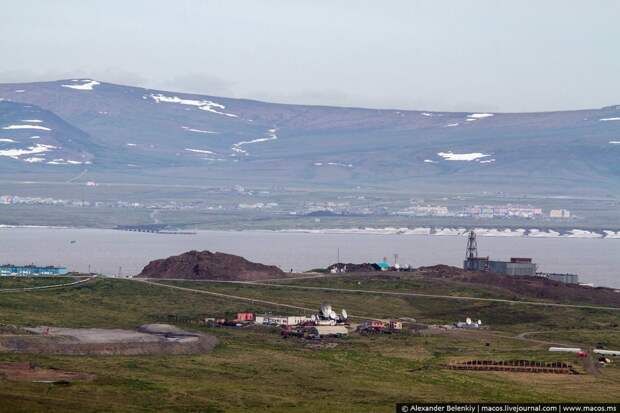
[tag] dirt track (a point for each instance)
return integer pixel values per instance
(46, 287)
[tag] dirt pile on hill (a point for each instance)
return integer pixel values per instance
(206, 265)
(527, 286)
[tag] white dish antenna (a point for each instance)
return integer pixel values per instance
(468, 321)
(333, 315)
(326, 310)
(344, 314)
(479, 322)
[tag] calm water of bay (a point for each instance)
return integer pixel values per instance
(596, 261)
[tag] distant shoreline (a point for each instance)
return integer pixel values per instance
(461, 231)
(429, 231)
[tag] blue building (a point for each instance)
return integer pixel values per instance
(30, 270)
(382, 266)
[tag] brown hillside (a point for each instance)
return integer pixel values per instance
(524, 286)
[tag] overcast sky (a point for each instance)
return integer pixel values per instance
(437, 55)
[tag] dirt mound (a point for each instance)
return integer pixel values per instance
(28, 372)
(206, 265)
(527, 286)
(149, 339)
(441, 270)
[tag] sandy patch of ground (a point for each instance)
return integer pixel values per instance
(147, 339)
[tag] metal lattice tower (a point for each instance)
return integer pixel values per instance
(472, 246)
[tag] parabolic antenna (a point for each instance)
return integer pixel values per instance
(326, 310)
(333, 315)
(468, 321)
(479, 322)
(344, 314)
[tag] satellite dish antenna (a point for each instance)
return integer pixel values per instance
(479, 322)
(468, 321)
(333, 315)
(326, 310)
(344, 314)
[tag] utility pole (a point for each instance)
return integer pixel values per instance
(338, 262)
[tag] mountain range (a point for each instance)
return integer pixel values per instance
(62, 127)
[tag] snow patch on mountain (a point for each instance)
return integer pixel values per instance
(238, 150)
(82, 84)
(271, 136)
(15, 153)
(480, 115)
(11, 127)
(61, 161)
(608, 119)
(187, 128)
(451, 125)
(344, 165)
(32, 120)
(7, 140)
(450, 156)
(200, 151)
(34, 159)
(206, 105)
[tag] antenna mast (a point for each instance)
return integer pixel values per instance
(472, 246)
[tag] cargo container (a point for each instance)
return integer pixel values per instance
(245, 317)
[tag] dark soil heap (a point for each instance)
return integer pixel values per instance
(206, 265)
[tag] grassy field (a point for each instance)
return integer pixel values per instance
(253, 369)
(515, 318)
(29, 282)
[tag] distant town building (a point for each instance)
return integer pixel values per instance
(30, 270)
(559, 213)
